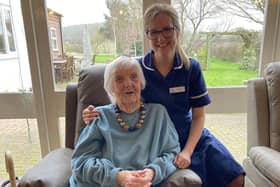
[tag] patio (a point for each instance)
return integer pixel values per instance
(20, 136)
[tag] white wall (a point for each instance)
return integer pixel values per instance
(9, 75)
(14, 68)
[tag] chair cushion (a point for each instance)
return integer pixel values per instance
(272, 77)
(90, 91)
(54, 170)
(254, 177)
(267, 160)
(182, 177)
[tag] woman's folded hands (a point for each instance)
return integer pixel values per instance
(137, 178)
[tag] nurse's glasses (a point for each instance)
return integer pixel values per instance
(166, 32)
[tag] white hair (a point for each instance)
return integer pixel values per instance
(121, 62)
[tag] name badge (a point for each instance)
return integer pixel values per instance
(178, 89)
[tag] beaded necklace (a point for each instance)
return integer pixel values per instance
(125, 126)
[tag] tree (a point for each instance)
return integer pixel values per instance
(252, 10)
(250, 39)
(125, 22)
(116, 9)
(97, 41)
(136, 21)
(194, 12)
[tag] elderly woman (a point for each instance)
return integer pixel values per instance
(131, 143)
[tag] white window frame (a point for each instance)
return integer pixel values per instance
(53, 38)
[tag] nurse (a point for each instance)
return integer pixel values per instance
(176, 81)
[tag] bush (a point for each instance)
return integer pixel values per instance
(249, 60)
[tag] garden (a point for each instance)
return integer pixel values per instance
(219, 72)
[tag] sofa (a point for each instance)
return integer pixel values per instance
(54, 169)
(262, 164)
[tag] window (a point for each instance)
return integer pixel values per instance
(53, 38)
(224, 36)
(7, 42)
(97, 33)
(2, 38)
(10, 36)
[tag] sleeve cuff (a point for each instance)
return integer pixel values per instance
(157, 178)
(114, 173)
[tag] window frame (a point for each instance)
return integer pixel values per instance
(53, 39)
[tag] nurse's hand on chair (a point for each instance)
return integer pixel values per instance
(89, 114)
(182, 160)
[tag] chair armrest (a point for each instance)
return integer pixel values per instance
(54, 170)
(267, 161)
(258, 113)
(70, 114)
(182, 177)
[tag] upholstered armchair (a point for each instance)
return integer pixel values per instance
(54, 169)
(262, 164)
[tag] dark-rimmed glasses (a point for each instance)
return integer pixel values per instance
(166, 32)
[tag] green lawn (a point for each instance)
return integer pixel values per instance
(104, 58)
(224, 73)
(220, 72)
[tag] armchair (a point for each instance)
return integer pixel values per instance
(262, 164)
(54, 170)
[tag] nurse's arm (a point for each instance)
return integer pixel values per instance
(198, 119)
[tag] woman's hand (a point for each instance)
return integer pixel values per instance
(138, 178)
(143, 178)
(89, 114)
(182, 160)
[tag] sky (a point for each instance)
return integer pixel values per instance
(79, 11)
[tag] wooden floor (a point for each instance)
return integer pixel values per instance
(20, 136)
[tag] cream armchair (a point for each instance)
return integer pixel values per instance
(262, 164)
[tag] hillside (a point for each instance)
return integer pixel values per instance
(74, 33)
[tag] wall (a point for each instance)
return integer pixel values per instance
(14, 68)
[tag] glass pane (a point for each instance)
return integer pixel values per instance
(20, 136)
(97, 33)
(9, 28)
(225, 36)
(2, 38)
(233, 134)
(53, 38)
(62, 130)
